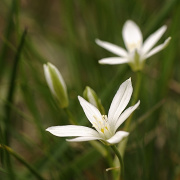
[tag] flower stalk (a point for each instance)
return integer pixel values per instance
(135, 97)
(121, 168)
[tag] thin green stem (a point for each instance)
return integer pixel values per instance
(19, 158)
(10, 100)
(135, 97)
(8, 30)
(114, 148)
(137, 88)
(110, 162)
(11, 89)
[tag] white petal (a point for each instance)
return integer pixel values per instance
(158, 48)
(91, 111)
(126, 114)
(119, 136)
(120, 101)
(72, 130)
(132, 35)
(79, 139)
(48, 78)
(153, 39)
(112, 48)
(113, 60)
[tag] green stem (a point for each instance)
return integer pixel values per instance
(11, 89)
(110, 162)
(10, 100)
(137, 88)
(114, 148)
(136, 94)
(8, 30)
(19, 158)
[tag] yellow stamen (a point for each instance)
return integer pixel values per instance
(102, 130)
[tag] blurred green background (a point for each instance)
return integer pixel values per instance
(63, 32)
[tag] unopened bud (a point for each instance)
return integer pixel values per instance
(91, 96)
(56, 84)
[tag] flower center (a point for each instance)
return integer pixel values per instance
(102, 126)
(134, 45)
(135, 60)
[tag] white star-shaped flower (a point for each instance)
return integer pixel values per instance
(137, 51)
(104, 127)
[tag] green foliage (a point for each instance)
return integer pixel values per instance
(64, 33)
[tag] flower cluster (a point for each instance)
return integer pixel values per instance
(105, 127)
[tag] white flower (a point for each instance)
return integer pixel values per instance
(137, 51)
(105, 126)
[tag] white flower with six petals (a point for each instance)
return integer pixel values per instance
(105, 126)
(137, 51)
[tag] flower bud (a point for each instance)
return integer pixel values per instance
(91, 96)
(56, 84)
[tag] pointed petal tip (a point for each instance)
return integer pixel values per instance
(168, 39)
(98, 41)
(138, 103)
(164, 27)
(48, 129)
(158, 48)
(126, 133)
(104, 61)
(129, 80)
(118, 137)
(135, 106)
(100, 61)
(80, 98)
